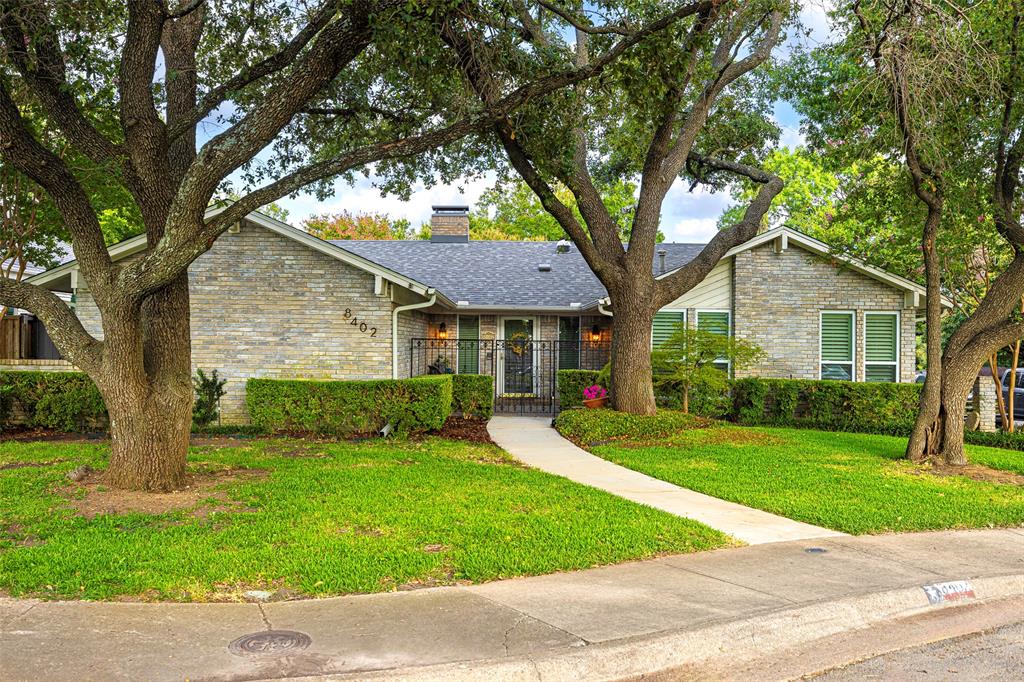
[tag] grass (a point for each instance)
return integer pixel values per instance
(855, 483)
(325, 519)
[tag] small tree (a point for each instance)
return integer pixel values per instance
(356, 226)
(696, 363)
(209, 390)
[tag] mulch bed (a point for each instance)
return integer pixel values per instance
(472, 430)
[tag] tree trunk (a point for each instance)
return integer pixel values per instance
(958, 379)
(149, 431)
(149, 395)
(632, 388)
(686, 400)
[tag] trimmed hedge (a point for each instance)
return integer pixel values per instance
(343, 408)
(571, 383)
(62, 401)
(885, 408)
(473, 395)
(594, 426)
(997, 439)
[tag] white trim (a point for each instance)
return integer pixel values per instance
(853, 342)
(696, 321)
(899, 343)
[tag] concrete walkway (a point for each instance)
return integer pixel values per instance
(532, 441)
(686, 612)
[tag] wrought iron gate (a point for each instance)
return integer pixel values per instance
(525, 370)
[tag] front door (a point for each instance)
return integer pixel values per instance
(517, 362)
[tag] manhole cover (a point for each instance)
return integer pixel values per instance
(270, 643)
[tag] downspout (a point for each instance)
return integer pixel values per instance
(394, 327)
(601, 309)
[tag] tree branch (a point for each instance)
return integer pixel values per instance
(63, 326)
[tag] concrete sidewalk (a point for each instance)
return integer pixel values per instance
(605, 623)
(532, 441)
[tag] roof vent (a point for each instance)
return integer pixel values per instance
(661, 260)
(544, 267)
(562, 246)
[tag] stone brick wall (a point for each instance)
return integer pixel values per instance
(984, 401)
(264, 305)
(778, 298)
(8, 365)
(412, 324)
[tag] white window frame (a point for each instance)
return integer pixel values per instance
(685, 321)
(899, 343)
(728, 312)
(853, 342)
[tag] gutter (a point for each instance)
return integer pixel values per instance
(394, 327)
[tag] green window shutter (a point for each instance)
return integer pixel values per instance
(665, 324)
(880, 338)
(469, 344)
(568, 343)
(881, 346)
(836, 337)
(716, 323)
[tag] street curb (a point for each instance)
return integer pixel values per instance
(733, 641)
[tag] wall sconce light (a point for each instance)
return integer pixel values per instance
(595, 333)
(442, 331)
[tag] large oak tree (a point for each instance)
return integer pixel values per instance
(686, 103)
(177, 101)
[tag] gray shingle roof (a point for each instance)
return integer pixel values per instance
(493, 273)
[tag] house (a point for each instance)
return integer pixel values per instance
(269, 300)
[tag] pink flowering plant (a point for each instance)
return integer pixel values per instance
(594, 392)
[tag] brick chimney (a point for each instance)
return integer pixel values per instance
(450, 224)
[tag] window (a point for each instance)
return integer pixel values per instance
(881, 346)
(716, 322)
(568, 343)
(469, 344)
(665, 323)
(837, 346)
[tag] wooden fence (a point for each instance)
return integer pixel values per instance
(15, 338)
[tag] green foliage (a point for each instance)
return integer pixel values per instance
(511, 211)
(571, 383)
(209, 389)
(997, 439)
(688, 364)
(320, 519)
(884, 408)
(233, 430)
(595, 426)
(347, 225)
(343, 408)
(62, 401)
(473, 395)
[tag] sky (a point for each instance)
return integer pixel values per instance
(686, 216)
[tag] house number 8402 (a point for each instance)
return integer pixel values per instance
(359, 324)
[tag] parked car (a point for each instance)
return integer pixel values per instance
(1018, 395)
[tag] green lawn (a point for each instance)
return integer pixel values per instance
(322, 519)
(854, 483)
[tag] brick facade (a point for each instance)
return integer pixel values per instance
(778, 299)
(264, 305)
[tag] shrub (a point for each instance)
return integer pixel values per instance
(209, 389)
(886, 408)
(342, 408)
(473, 395)
(571, 383)
(592, 426)
(62, 401)
(998, 439)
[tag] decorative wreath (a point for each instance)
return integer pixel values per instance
(518, 342)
